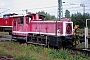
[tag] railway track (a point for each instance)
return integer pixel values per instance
(5, 37)
(81, 50)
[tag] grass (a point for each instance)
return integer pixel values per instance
(35, 52)
(32, 52)
(4, 32)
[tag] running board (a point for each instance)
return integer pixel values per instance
(35, 43)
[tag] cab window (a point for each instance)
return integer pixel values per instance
(14, 23)
(41, 18)
(5, 16)
(28, 19)
(21, 20)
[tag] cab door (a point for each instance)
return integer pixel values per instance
(15, 21)
(20, 24)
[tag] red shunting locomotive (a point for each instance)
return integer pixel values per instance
(33, 28)
(6, 23)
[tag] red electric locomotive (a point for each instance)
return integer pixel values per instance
(6, 23)
(34, 29)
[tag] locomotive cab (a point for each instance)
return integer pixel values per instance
(35, 17)
(22, 23)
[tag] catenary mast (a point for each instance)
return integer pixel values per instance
(60, 11)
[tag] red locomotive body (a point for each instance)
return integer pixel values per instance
(6, 23)
(34, 29)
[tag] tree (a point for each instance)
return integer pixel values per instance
(67, 14)
(47, 16)
(79, 19)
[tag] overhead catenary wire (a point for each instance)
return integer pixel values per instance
(42, 8)
(70, 9)
(38, 8)
(50, 7)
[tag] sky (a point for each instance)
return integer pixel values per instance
(49, 6)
